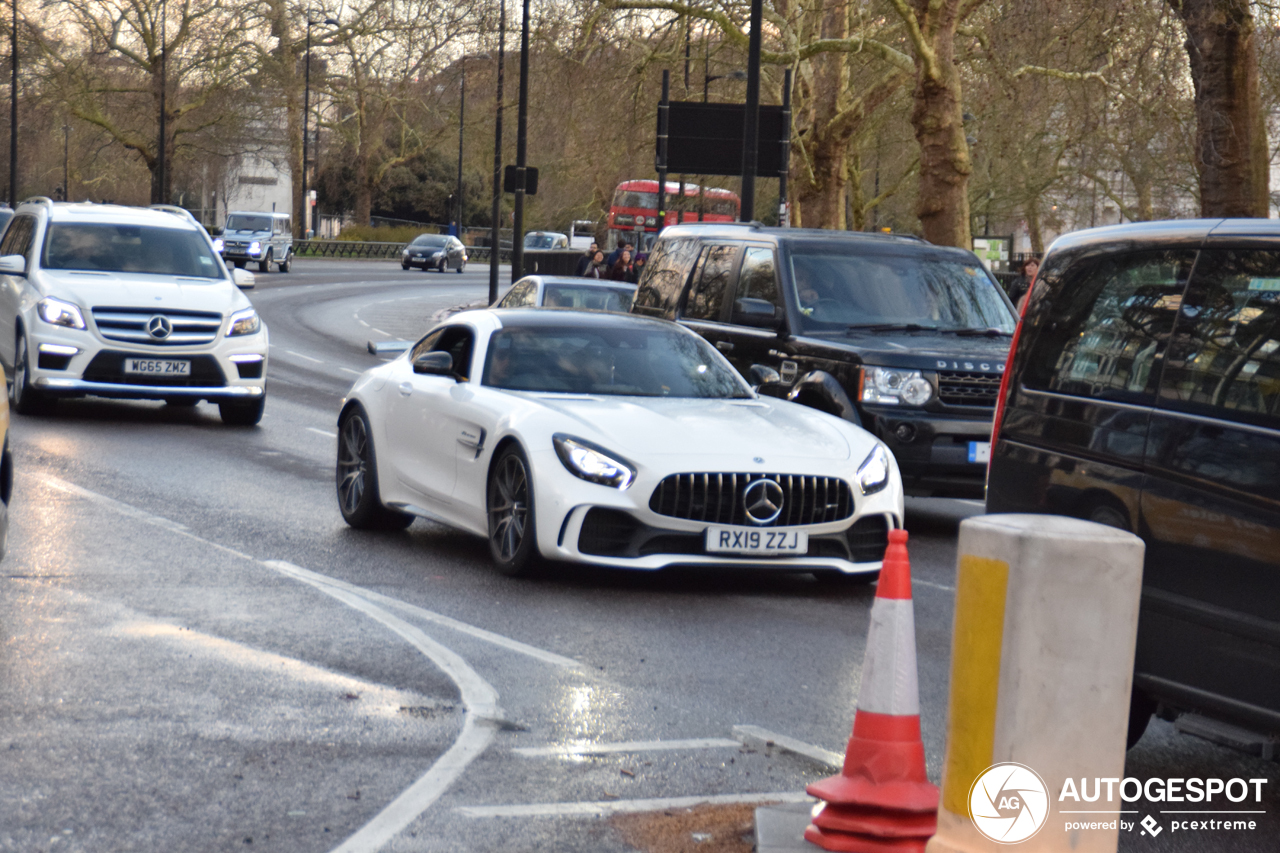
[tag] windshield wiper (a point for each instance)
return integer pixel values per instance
(982, 333)
(892, 327)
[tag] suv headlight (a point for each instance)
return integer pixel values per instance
(218, 245)
(873, 473)
(59, 313)
(244, 322)
(893, 386)
(592, 463)
(255, 247)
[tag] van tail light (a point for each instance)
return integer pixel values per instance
(1002, 396)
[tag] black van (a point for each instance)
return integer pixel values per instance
(906, 339)
(1144, 392)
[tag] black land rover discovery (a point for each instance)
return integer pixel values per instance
(904, 338)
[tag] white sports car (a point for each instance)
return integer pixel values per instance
(608, 439)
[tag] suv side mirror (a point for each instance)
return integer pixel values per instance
(243, 278)
(760, 313)
(435, 363)
(13, 265)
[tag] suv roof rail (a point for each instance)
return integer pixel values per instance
(38, 199)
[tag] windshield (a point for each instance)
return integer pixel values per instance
(435, 241)
(609, 361)
(588, 297)
(248, 223)
(541, 241)
(129, 248)
(841, 290)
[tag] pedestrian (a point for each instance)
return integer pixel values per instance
(584, 262)
(622, 268)
(637, 269)
(617, 253)
(598, 267)
(1021, 285)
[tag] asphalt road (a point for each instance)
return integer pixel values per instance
(197, 654)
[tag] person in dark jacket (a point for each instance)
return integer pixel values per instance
(597, 268)
(584, 263)
(622, 268)
(1019, 286)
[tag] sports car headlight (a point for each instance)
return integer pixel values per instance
(873, 473)
(893, 386)
(244, 322)
(59, 313)
(586, 460)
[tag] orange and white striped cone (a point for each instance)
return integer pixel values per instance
(882, 801)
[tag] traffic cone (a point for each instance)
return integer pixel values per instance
(882, 800)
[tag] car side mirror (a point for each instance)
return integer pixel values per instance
(763, 374)
(435, 363)
(243, 278)
(13, 265)
(759, 313)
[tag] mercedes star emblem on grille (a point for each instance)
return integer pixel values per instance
(762, 500)
(159, 327)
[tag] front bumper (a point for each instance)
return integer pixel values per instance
(619, 529)
(932, 450)
(227, 369)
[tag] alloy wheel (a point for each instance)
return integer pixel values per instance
(509, 507)
(353, 463)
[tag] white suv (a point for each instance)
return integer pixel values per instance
(112, 301)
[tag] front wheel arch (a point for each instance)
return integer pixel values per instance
(819, 390)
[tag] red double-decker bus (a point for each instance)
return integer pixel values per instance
(633, 216)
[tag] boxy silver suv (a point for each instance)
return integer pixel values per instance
(266, 238)
(125, 302)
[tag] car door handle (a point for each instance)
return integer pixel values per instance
(406, 389)
(724, 346)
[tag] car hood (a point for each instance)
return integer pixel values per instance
(650, 426)
(234, 232)
(123, 290)
(923, 350)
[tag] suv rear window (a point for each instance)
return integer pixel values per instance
(128, 248)
(841, 287)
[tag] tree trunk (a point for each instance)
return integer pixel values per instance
(943, 204)
(819, 189)
(1231, 137)
(1034, 230)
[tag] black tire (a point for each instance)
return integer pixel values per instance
(26, 400)
(1141, 707)
(356, 478)
(283, 266)
(444, 265)
(513, 540)
(264, 265)
(404, 266)
(461, 267)
(242, 412)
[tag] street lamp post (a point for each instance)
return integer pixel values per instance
(306, 114)
(522, 148)
(66, 172)
(162, 165)
(495, 231)
(462, 112)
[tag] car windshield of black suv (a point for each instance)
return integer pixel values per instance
(609, 361)
(431, 241)
(129, 249)
(248, 223)
(842, 290)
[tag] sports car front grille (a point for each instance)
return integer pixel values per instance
(718, 498)
(189, 328)
(961, 388)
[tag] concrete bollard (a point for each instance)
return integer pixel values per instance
(1041, 669)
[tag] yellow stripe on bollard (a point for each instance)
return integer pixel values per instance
(981, 586)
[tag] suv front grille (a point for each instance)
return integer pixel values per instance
(960, 388)
(718, 498)
(190, 328)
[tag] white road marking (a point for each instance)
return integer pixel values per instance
(756, 736)
(430, 616)
(349, 370)
(322, 432)
(624, 746)
(972, 502)
(363, 323)
(379, 331)
(608, 807)
(307, 357)
(941, 586)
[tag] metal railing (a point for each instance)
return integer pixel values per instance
(366, 249)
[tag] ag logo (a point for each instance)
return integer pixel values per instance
(1009, 803)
